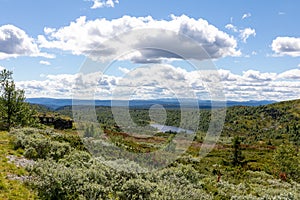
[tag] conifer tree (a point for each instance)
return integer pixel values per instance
(14, 111)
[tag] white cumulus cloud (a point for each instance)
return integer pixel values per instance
(289, 46)
(290, 74)
(253, 75)
(95, 38)
(165, 81)
(15, 42)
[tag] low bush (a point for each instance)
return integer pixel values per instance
(62, 171)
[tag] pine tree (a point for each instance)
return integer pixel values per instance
(237, 156)
(14, 111)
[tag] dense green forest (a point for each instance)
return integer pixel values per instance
(256, 157)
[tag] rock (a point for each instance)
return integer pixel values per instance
(19, 161)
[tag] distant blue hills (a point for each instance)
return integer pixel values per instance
(55, 104)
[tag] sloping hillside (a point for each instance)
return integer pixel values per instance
(265, 169)
(274, 121)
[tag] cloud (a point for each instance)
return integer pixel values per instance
(15, 42)
(253, 75)
(1, 68)
(231, 27)
(124, 70)
(281, 13)
(246, 33)
(104, 3)
(108, 39)
(43, 62)
(289, 46)
(48, 30)
(165, 81)
(253, 84)
(290, 74)
(54, 86)
(246, 15)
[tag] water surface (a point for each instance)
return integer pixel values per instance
(164, 128)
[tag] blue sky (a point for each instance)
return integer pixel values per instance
(262, 38)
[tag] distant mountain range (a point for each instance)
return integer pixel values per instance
(55, 104)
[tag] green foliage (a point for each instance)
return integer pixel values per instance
(39, 144)
(89, 131)
(287, 158)
(14, 111)
(68, 173)
(137, 189)
(11, 189)
(237, 157)
(59, 149)
(276, 121)
(74, 140)
(64, 170)
(31, 153)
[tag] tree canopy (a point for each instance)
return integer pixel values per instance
(14, 111)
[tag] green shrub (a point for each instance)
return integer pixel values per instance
(62, 171)
(58, 150)
(31, 153)
(77, 158)
(137, 189)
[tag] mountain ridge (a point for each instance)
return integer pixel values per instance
(54, 104)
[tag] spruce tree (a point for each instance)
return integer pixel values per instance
(237, 156)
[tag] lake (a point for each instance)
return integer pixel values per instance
(164, 128)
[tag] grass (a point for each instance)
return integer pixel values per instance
(11, 189)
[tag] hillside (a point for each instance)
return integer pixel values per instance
(274, 121)
(270, 122)
(256, 157)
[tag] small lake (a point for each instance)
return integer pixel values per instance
(164, 128)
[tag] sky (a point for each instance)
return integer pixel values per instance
(153, 49)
